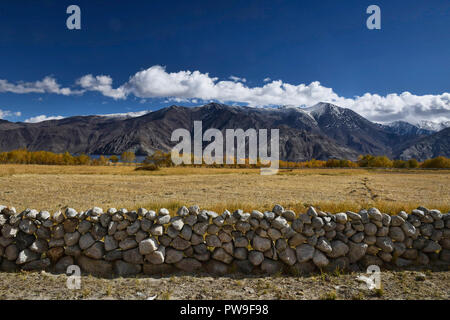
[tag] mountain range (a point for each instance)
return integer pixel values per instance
(323, 131)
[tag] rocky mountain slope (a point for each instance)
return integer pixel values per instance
(323, 131)
(428, 147)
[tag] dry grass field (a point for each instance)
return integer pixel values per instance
(55, 187)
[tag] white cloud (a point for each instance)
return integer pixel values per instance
(132, 114)
(188, 86)
(237, 79)
(43, 117)
(46, 85)
(101, 83)
(155, 82)
(405, 106)
(6, 114)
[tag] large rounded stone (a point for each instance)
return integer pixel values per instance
(157, 256)
(385, 244)
(133, 256)
(11, 252)
(27, 226)
(370, 229)
(221, 255)
(36, 265)
(261, 244)
(55, 253)
(431, 246)
(319, 259)
(70, 225)
(72, 238)
(9, 231)
(128, 243)
(63, 263)
(375, 214)
(356, 251)
(274, 234)
(339, 249)
(86, 241)
(341, 218)
(213, 241)
(71, 213)
(148, 246)
(95, 267)
(279, 223)
(96, 251)
(288, 256)
(39, 246)
(270, 266)
(173, 256)
(26, 256)
(408, 229)
(304, 252)
(183, 211)
(180, 243)
(110, 243)
(255, 257)
(396, 234)
(188, 265)
(177, 223)
(324, 245)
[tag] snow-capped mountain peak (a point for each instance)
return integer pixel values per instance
(432, 125)
(323, 107)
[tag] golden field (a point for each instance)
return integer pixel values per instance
(52, 188)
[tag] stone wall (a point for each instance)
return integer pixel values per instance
(121, 242)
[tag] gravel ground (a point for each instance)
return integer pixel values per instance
(395, 285)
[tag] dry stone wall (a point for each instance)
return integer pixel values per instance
(122, 243)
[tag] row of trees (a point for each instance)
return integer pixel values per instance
(23, 156)
(160, 159)
(369, 161)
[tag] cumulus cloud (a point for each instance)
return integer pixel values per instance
(6, 114)
(43, 117)
(101, 83)
(237, 79)
(46, 85)
(156, 82)
(405, 106)
(190, 86)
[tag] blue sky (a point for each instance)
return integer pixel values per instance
(186, 52)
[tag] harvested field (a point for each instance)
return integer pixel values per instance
(56, 187)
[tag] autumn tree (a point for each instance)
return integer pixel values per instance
(114, 159)
(128, 156)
